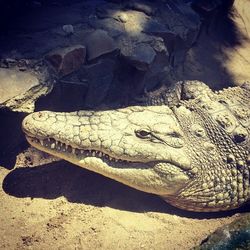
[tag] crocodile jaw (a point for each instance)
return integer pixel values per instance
(153, 175)
(139, 175)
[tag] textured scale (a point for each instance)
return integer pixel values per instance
(225, 118)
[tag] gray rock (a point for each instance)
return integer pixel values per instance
(182, 20)
(111, 25)
(99, 43)
(123, 17)
(141, 57)
(68, 29)
(236, 235)
(105, 11)
(145, 8)
(155, 28)
(100, 76)
(14, 83)
(179, 30)
(158, 74)
(20, 90)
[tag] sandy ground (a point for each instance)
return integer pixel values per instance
(60, 206)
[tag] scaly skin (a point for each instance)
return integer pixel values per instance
(194, 155)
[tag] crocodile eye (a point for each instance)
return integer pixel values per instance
(142, 133)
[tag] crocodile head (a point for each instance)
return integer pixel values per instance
(143, 147)
(140, 147)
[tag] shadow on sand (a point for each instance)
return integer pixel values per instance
(82, 186)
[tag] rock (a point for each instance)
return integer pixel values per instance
(182, 20)
(68, 29)
(141, 57)
(123, 17)
(20, 90)
(100, 77)
(148, 10)
(99, 43)
(135, 23)
(105, 11)
(14, 83)
(155, 28)
(67, 60)
(236, 235)
(179, 30)
(111, 25)
(158, 74)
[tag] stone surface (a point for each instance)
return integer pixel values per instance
(23, 82)
(14, 83)
(99, 43)
(67, 60)
(111, 25)
(141, 57)
(100, 76)
(236, 235)
(143, 7)
(68, 29)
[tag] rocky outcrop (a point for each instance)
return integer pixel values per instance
(19, 90)
(99, 43)
(67, 60)
(236, 235)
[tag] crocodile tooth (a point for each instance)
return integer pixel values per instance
(100, 154)
(82, 151)
(93, 153)
(53, 145)
(73, 150)
(41, 141)
(69, 149)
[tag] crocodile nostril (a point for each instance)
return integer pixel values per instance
(40, 116)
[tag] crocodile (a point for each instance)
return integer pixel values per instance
(194, 154)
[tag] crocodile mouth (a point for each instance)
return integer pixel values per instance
(75, 154)
(60, 149)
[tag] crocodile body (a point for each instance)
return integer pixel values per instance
(195, 155)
